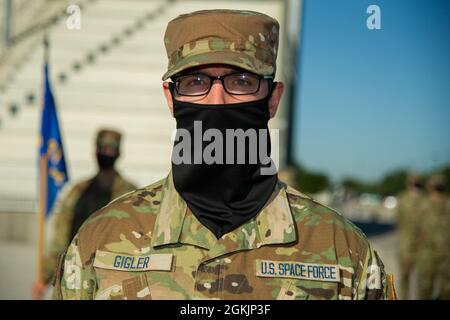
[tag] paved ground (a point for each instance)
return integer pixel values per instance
(17, 265)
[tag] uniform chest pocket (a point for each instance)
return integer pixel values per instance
(294, 289)
(136, 288)
(121, 276)
(120, 285)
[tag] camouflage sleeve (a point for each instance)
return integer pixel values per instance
(375, 283)
(61, 229)
(75, 280)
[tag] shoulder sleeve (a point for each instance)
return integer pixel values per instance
(74, 280)
(60, 222)
(375, 283)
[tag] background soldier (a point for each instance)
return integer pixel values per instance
(409, 216)
(82, 200)
(220, 231)
(433, 254)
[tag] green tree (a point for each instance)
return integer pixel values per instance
(392, 183)
(311, 182)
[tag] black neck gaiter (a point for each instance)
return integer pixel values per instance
(223, 174)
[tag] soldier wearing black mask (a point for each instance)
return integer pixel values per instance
(410, 211)
(99, 190)
(83, 199)
(433, 250)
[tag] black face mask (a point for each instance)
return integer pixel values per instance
(223, 196)
(440, 188)
(105, 162)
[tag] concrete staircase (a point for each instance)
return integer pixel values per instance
(108, 73)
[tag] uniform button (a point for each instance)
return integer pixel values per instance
(207, 285)
(234, 284)
(137, 235)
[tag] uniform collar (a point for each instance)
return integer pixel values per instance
(170, 218)
(175, 224)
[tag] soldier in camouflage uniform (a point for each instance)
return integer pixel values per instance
(434, 254)
(409, 216)
(82, 200)
(153, 244)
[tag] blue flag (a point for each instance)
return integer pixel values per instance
(53, 171)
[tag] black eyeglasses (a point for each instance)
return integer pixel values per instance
(199, 84)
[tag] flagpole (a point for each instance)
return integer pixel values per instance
(42, 193)
(41, 223)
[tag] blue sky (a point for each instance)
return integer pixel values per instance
(373, 101)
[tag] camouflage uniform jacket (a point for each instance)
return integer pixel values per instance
(410, 213)
(148, 245)
(63, 216)
(434, 234)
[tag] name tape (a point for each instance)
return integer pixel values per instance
(297, 270)
(122, 262)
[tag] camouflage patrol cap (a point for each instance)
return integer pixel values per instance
(244, 39)
(437, 180)
(414, 178)
(108, 138)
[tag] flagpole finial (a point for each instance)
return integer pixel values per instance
(46, 47)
